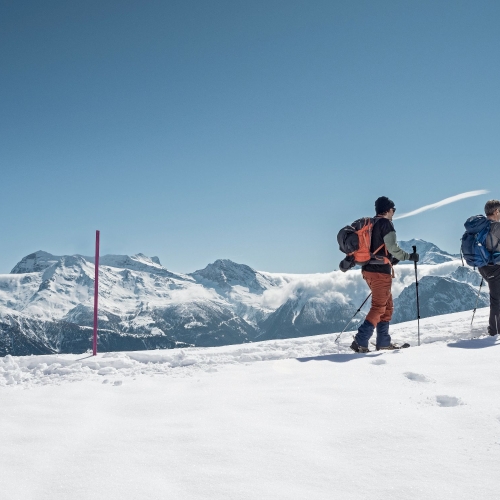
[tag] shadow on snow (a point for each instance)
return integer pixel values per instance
(481, 343)
(339, 358)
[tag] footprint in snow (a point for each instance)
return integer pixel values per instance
(379, 362)
(448, 401)
(417, 377)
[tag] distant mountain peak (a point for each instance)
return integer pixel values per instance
(35, 262)
(128, 261)
(429, 252)
(226, 273)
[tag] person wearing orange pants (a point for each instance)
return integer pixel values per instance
(378, 275)
(380, 311)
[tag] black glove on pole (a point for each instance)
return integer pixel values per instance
(418, 304)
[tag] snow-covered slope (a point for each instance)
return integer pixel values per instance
(46, 303)
(284, 419)
(31, 371)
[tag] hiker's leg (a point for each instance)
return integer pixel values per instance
(389, 307)
(378, 283)
(383, 337)
(492, 275)
(381, 307)
(365, 331)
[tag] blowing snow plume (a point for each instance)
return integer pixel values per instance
(441, 203)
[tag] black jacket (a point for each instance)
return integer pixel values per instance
(381, 228)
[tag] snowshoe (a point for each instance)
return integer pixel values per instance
(392, 347)
(358, 348)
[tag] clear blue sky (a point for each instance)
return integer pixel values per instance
(248, 130)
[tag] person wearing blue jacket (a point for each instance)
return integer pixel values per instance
(491, 272)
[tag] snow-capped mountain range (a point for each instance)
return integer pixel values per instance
(46, 302)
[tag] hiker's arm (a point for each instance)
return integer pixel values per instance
(494, 238)
(392, 247)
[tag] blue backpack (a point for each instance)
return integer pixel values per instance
(474, 251)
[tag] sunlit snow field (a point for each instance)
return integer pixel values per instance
(290, 419)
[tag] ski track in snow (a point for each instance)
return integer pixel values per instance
(116, 367)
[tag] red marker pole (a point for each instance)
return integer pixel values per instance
(96, 290)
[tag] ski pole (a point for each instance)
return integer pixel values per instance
(477, 299)
(418, 304)
(350, 321)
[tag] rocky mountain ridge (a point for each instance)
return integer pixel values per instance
(46, 302)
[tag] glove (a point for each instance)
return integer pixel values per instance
(347, 263)
(414, 257)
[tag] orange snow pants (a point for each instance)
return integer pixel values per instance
(382, 306)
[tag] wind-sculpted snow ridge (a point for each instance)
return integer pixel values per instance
(115, 368)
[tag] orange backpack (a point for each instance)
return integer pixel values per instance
(355, 241)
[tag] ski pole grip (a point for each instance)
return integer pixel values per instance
(414, 248)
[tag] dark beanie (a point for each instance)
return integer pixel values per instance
(383, 205)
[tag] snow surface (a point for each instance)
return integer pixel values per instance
(291, 419)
